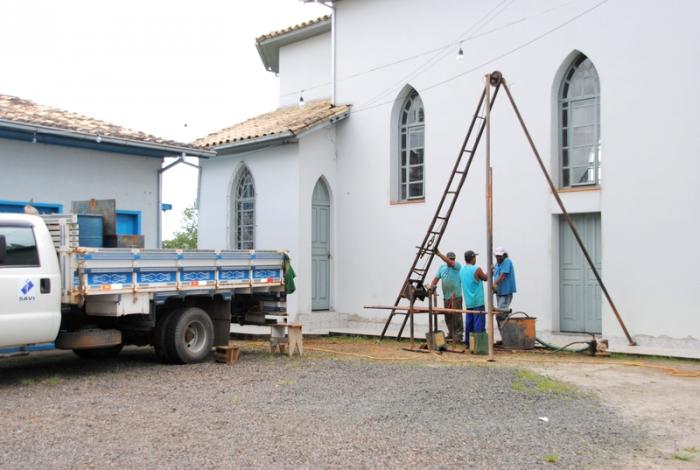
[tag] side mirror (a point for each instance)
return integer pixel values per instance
(3, 249)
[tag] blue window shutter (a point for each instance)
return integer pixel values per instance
(128, 222)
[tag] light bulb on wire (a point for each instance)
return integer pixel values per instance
(301, 102)
(460, 53)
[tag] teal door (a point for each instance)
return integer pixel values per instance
(579, 293)
(320, 247)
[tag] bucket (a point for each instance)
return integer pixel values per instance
(518, 333)
(479, 343)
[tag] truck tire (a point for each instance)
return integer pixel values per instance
(99, 353)
(189, 335)
(159, 336)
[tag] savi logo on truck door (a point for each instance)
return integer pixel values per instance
(27, 291)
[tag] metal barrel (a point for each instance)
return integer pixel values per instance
(518, 333)
(91, 230)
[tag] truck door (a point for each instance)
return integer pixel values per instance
(30, 302)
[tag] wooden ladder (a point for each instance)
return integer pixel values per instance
(413, 285)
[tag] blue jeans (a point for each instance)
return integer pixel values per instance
(474, 322)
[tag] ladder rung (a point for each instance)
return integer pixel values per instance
(435, 233)
(450, 192)
(438, 217)
(467, 151)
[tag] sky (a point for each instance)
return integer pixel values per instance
(176, 69)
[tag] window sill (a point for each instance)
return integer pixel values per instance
(407, 201)
(578, 189)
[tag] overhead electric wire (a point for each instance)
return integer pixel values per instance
(430, 51)
(483, 21)
(490, 61)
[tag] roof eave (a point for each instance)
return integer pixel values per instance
(269, 49)
(255, 143)
(276, 139)
(169, 150)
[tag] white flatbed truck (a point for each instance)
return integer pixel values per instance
(96, 300)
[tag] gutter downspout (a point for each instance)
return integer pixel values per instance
(332, 7)
(159, 218)
(329, 4)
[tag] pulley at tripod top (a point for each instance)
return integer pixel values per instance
(495, 78)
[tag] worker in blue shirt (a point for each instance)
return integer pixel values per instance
(503, 283)
(448, 273)
(472, 278)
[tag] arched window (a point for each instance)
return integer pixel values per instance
(411, 157)
(579, 125)
(244, 211)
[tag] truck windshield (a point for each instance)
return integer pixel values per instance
(21, 247)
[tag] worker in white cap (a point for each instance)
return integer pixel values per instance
(503, 282)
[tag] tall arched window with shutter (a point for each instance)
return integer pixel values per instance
(411, 181)
(244, 211)
(579, 125)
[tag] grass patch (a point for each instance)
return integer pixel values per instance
(682, 457)
(284, 382)
(54, 380)
(235, 401)
(351, 339)
(531, 382)
(692, 450)
(551, 458)
(27, 382)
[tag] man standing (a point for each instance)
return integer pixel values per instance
(448, 273)
(503, 283)
(472, 278)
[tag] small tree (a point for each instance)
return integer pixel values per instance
(187, 237)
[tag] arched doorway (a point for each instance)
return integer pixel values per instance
(320, 247)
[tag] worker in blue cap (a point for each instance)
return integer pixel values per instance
(472, 278)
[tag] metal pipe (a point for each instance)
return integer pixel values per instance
(489, 220)
(568, 218)
(430, 322)
(159, 217)
(333, 54)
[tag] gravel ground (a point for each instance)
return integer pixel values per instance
(58, 411)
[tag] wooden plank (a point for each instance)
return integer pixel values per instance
(425, 309)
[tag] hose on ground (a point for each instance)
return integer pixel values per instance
(554, 348)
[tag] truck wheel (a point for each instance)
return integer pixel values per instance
(99, 353)
(159, 336)
(189, 335)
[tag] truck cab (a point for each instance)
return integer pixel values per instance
(30, 311)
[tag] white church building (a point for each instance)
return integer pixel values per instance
(375, 100)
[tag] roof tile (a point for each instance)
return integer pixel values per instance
(289, 29)
(24, 111)
(293, 119)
